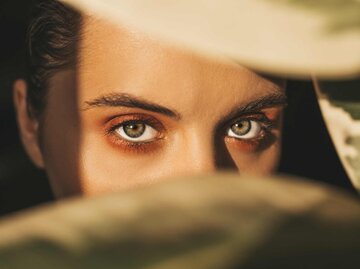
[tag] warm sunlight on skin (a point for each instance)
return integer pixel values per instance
(145, 111)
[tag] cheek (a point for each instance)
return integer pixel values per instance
(105, 168)
(261, 163)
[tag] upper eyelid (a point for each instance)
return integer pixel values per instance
(118, 125)
(250, 116)
(136, 116)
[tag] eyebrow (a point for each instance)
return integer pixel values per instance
(267, 101)
(127, 100)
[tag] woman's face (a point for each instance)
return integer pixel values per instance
(135, 111)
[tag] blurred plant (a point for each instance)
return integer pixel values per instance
(341, 15)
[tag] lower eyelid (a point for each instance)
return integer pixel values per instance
(256, 145)
(134, 147)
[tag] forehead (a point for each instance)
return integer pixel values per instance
(120, 59)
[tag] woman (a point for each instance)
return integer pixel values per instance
(155, 122)
(107, 107)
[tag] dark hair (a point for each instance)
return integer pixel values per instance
(51, 46)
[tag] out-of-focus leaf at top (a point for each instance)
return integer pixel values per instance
(283, 37)
(340, 15)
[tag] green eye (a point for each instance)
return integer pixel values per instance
(241, 128)
(136, 131)
(244, 129)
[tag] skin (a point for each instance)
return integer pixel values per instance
(78, 141)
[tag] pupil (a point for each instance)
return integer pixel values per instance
(241, 127)
(134, 130)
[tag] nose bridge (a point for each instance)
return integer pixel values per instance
(199, 152)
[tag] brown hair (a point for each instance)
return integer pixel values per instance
(51, 46)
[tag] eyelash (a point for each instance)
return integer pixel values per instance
(254, 144)
(141, 147)
(113, 124)
(266, 124)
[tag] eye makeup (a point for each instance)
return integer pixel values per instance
(114, 130)
(264, 136)
(128, 132)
